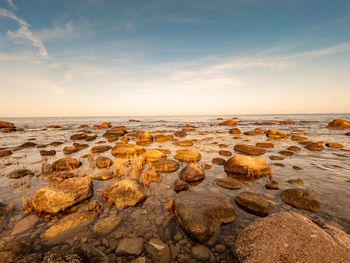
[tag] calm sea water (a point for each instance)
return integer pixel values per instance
(326, 173)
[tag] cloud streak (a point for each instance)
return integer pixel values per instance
(12, 5)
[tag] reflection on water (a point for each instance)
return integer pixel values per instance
(326, 173)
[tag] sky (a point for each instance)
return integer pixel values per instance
(167, 57)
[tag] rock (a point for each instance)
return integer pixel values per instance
(347, 134)
(48, 153)
(124, 150)
(159, 251)
(246, 167)
(218, 161)
(272, 184)
(100, 149)
(103, 162)
(144, 135)
(69, 222)
(301, 199)
(225, 153)
(27, 145)
(163, 138)
(228, 123)
(275, 158)
(83, 126)
(107, 224)
(124, 139)
(265, 145)
(297, 168)
(144, 142)
(51, 257)
(283, 122)
(296, 182)
(275, 134)
(6, 124)
(201, 213)
(334, 145)
(65, 164)
(297, 138)
(80, 146)
(20, 173)
(338, 124)
(286, 153)
(180, 134)
(130, 247)
(61, 196)
(191, 173)
(90, 254)
(125, 193)
(206, 166)
(11, 252)
(202, 253)
(105, 125)
(166, 166)
(249, 149)
(70, 149)
(183, 143)
(257, 131)
(3, 214)
(188, 156)
(228, 182)
(180, 185)
(253, 203)
(79, 136)
(154, 155)
(5, 153)
(291, 237)
(53, 127)
(26, 224)
(314, 146)
(55, 143)
(294, 148)
(235, 131)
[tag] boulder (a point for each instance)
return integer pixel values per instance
(249, 149)
(125, 150)
(64, 164)
(246, 167)
(20, 173)
(301, 199)
(27, 145)
(286, 153)
(188, 156)
(276, 158)
(253, 203)
(26, 224)
(291, 237)
(338, 124)
(130, 247)
(103, 162)
(5, 153)
(180, 185)
(89, 254)
(105, 125)
(191, 173)
(6, 124)
(202, 253)
(166, 166)
(61, 196)
(201, 213)
(125, 193)
(80, 146)
(228, 182)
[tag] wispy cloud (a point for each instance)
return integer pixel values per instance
(11, 4)
(23, 32)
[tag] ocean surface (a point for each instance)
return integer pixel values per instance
(327, 173)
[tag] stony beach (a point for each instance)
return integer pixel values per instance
(257, 188)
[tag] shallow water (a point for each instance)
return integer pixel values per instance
(326, 172)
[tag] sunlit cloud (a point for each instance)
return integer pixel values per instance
(11, 4)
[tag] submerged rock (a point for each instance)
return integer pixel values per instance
(249, 149)
(228, 182)
(188, 156)
(291, 237)
(272, 184)
(64, 164)
(180, 185)
(218, 161)
(107, 224)
(253, 203)
(314, 146)
(201, 213)
(20, 173)
(301, 199)
(191, 173)
(79, 136)
(61, 196)
(125, 193)
(166, 166)
(154, 155)
(130, 247)
(103, 162)
(125, 150)
(296, 182)
(297, 138)
(48, 153)
(3, 214)
(100, 149)
(338, 124)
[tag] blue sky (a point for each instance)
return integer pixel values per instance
(109, 58)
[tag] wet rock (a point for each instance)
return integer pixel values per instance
(130, 247)
(347, 134)
(144, 135)
(180, 134)
(202, 253)
(144, 142)
(201, 213)
(272, 184)
(80, 146)
(206, 166)
(286, 153)
(100, 149)
(11, 252)
(334, 145)
(83, 126)
(70, 149)
(225, 153)
(103, 162)
(53, 127)
(191, 173)
(79, 136)
(166, 166)
(235, 131)
(296, 182)
(297, 138)
(183, 143)
(228, 182)
(218, 161)
(279, 164)
(27, 145)
(314, 146)
(66, 164)
(301, 199)
(294, 148)
(249, 149)
(228, 123)
(105, 125)
(265, 145)
(275, 134)
(51, 257)
(188, 156)
(291, 237)
(125, 193)
(163, 138)
(90, 254)
(5, 153)
(61, 196)
(180, 185)
(124, 150)
(25, 224)
(297, 168)
(20, 173)
(275, 158)
(56, 143)
(3, 214)
(253, 203)
(159, 251)
(154, 155)
(6, 124)
(107, 224)
(48, 153)
(338, 124)
(246, 167)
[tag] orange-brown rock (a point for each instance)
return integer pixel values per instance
(163, 138)
(5, 153)
(53, 126)
(275, 134)
(249, 149)
(235, 131)
(228, 123)
(338, 124)
(315, 146)
(265, 145)
(105, 125)
(334, 145)
(6, 124)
